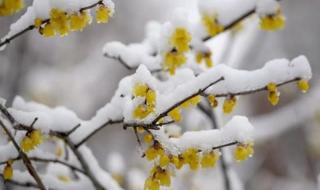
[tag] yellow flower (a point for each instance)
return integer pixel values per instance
(180, 39)
(141, 111)
(79, 21)
(154, 151)
(229, 104)
(213, 101)
(148, 138)
(303, 85)
(206, 56)
(164, 160)
(209, 159)
(103, 14)
(174, 60)
(8, 171)
(273, 96)
(211, 24)
(31, 140)
(243, 152)
(175, 114)
(140, 90)
(8, 7)
(37, 22)
(272, 87)
(151, 184)
(191, 157)
(26, 144)
(273, 22)
(164, 178)
(177, 161)
(36, 137)
(60, 21)
(151, 99)
(47, 30)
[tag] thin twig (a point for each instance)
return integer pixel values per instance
(109, 122)
(25, 158)
(127, 66)
(47, 160)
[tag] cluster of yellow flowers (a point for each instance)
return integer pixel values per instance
(273, 22)
(144, 109)
(31, 140)
(273, 95)
(243, 151)
(8, 170)
(179, 40)
(160, 174)
(9, 7)
(206, 56)
(61, 22)
(212, 25)
(175, 114)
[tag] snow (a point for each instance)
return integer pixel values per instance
(115, 163)
(168, 92)
(103, 177)
(56, 119)
(238, 129)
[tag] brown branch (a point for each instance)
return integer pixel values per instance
(31, 27)
(47, 160)
(110, 122)
(25, 158)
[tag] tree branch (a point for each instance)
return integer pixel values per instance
(31, 27)
(25, 158)
(84, 164)
(201, 91)
(110, 122)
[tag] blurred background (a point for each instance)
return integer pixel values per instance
(72, 72)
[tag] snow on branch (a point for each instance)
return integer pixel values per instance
(143, 101)
(53, 17)
(167, 46)
(165, 97)
(237, 130)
